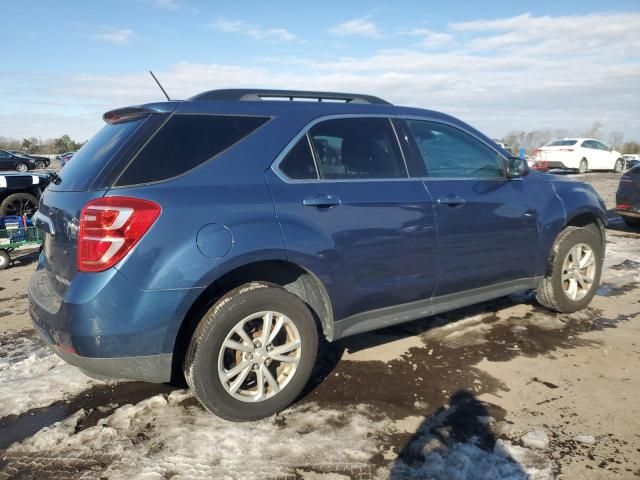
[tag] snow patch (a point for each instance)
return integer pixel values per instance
(159, 437)
(536, 439)
(32, 376)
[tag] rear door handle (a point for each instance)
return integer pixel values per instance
(321, 200)
(452, 201)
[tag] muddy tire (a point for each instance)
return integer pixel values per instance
(18, 204)
(567, 287)
(632, 222)
(239, 372)
(4, 260)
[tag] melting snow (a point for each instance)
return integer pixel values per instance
(31, 376)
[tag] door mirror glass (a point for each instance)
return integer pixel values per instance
(518, 167)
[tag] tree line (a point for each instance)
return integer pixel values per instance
(536, 138)
(36, 145)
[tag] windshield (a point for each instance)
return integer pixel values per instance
(561, 143)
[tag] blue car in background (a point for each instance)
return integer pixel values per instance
(220, 237)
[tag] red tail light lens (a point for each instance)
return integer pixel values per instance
(110, 227)
(623, 206)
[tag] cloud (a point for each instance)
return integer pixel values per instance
(430, 39)
(526, 82)
(116, 36)
(358, 26)
(256, 32)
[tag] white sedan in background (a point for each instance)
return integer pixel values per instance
(581, 154)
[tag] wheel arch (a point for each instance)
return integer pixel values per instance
(591, 220)
(290, 276)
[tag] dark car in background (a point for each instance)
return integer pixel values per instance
(19, 193)
(65, 157)
(218, 238)
(19, 163)
(40, 161)
(628, 197)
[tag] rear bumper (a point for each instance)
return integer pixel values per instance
(107, 327)
(628, 213)
(150, 368)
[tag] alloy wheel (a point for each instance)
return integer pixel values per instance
(259, 356)
(20, 207)
(578, 271)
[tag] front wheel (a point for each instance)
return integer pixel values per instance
(619, 165)
(252, 353)
(573, 271)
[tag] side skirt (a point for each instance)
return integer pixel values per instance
(385, 317)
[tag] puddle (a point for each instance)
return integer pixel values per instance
(612, 290)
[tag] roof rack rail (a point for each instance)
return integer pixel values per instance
(291, 95)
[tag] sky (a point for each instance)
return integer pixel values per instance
(500, 65)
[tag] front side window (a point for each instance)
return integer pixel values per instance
(450, 153)
(357, 148)
(4, 154)
(602, 146)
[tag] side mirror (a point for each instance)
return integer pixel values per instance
(518, 167)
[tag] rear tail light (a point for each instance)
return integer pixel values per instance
(541, 165)
(623, 206)
(110, 227)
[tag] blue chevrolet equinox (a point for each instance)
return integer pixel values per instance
(218, 239)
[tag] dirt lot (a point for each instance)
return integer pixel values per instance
(504, 389)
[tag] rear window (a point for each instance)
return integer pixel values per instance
(561, 143)
(88, 162)
(185, 142)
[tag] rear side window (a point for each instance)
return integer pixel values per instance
(185, 142)
(299, 164)
(355, 148)
(561, 143)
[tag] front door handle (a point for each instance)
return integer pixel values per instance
(321, 200)
(452, 201)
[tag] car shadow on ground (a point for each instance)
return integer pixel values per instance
(457, 439)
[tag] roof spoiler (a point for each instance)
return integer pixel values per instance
(253, 94)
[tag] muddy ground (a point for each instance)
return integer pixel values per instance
(503, 389)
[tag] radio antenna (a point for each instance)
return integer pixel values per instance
(163, 91)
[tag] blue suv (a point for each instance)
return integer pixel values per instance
(221, 237)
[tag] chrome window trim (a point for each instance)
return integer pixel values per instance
(275, 166)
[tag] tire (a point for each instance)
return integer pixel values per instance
(584, 166)
(20, 203)
(551, 293)
(22, 167)
(4, 260)
(40, 165)
(632, 222)
(207, 356)
(618, 166)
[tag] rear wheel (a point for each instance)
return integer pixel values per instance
(573, 272)
(4, 260)
(583, 166)
(19, 204)
(252, 353)
(632, 222)
(619, 165)
(40, 165)
(22, 167)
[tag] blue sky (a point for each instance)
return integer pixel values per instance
(502, 66)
